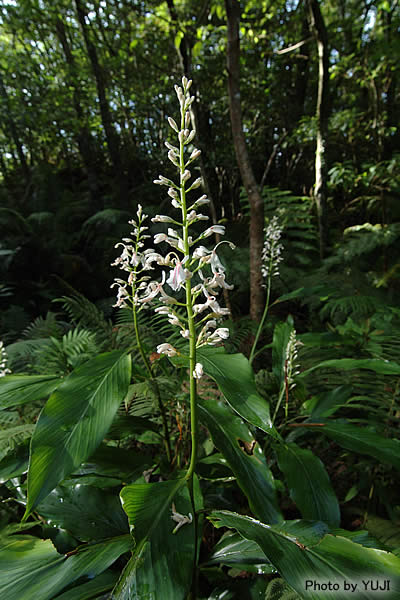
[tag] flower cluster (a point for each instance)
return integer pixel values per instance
(291, 356)
(3, 361)
(271, 254)
(189, 265)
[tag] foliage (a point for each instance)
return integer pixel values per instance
(296, 471)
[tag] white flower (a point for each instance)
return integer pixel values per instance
(185, 176)
(167, 349)
(216, 264)
(177, 276)
(198, 371)
(173, 158)
(220, 334)
(213, 229)
(173, 319)
(160, 237)
(200, 252)
(172, 193)
(180, 519)
(271, 254)
(3, 361)
(162, 310)
(162, 219)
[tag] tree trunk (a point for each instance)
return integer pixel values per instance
(318, 28)
(85, 142)
(98, 72)
(242, 157)
(12, 126)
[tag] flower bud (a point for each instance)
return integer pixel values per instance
(173, 124)
(167, 349)
(195, 154)
(191, 136)
(198, 371)
(173, 193)
(162, 219)
(196, 183)
(173, 158)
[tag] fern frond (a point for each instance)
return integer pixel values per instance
(61, 356)
(278, 589)
(86, 314)
(13, 436)
(43, 327)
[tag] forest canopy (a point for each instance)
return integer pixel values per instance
(85, 89)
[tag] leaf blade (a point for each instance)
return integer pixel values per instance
(74, 421)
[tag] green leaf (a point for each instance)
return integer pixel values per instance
(161, 567)
(305, 551)
(20, 389)
(15, 463)
(232, 436)
(32, 568)
(309, 484)
(119, 463)
(362, 440)
(74, 421)
(86, 512)
(328, 403)
(233, 550)
(235, 379)
(100, 584)
(146, 503)
(384, 530)
(383, 367)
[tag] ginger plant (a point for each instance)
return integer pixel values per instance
(193, 273)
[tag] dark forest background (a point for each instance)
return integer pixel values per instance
(85, 91)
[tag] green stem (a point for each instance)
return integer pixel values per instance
(253, 349)
(278, 404)
(167, 441)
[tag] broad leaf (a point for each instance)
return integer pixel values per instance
(87, 512)
(32, 568)
(383, 367)
(116, 463)
(100, 584)
(280, 342)
(309, 484)
(15, 463)
(235, 379)
(20, 389)
(233, 550)
(74, 421)
(234, 440)
(362, 440)
(384, 530)
(324, 405)
(305, 552)
(162, 565)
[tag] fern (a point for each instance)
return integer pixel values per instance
(14, 436)
(86, 314)
(43, 327)
(61, 356)
(278, 589)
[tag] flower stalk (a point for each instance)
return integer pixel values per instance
(271, 257)
(189, 265)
